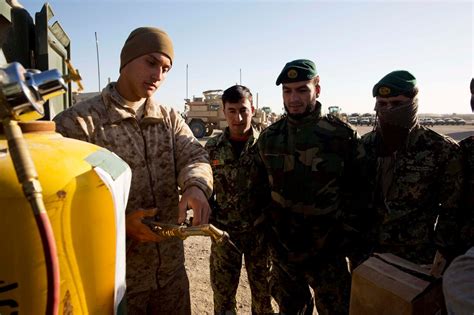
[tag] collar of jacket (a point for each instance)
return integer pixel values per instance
(313, 116)
(117, 111)
(224, 137)
(409, 141)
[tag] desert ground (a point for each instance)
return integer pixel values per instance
(197, 249)
(456, 132)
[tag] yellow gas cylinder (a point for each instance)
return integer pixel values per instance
(88, 225)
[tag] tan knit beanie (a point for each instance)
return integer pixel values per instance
(145, 40)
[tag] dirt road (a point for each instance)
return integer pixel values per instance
(456, 132)
(197, 267)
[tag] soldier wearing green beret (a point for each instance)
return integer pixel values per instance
(309, 160)
(415, 177)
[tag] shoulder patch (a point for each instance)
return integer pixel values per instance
(217, 162)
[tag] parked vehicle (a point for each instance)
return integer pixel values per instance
(430, 122)
(353, 121)
(204, 114)
(365, 121)
(459, 121)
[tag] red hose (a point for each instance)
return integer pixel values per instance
(51, 260)
(28, 177)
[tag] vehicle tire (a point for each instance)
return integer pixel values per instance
(198, 128)
(209, 131)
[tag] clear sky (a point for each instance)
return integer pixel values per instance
(353, 43)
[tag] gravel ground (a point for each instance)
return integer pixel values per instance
(197, 251)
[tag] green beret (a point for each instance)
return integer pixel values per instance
(395, 83)
(297, 70)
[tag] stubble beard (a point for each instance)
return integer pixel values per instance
(309, 109)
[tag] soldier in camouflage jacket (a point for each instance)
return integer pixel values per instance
(415, 177)
(467, 231)
(238, 200)
(163, 155)
(309, 160)
(467, 147)
(458, 280)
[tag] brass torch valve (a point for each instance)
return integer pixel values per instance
(183, 231)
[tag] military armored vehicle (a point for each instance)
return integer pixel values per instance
(49, 184)
(205, 114)
(36, 44)
(260, 119)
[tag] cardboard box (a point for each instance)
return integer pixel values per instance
(388, 284)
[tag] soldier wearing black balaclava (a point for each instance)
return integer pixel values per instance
(396, 107)
(415, 176)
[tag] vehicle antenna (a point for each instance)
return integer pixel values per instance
(98, 63)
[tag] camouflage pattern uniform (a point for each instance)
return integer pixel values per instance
(458, 278)
(309, 164)
(467, 231)
(238, 200)
(425, 182)
(163, 154)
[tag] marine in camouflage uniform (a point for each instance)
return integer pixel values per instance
(415, 175)
(163, 155)
(240, 194)
(309, 159)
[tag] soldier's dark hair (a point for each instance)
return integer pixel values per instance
(235, 93)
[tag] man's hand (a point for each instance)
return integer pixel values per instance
(139, 231)
(194, 198)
